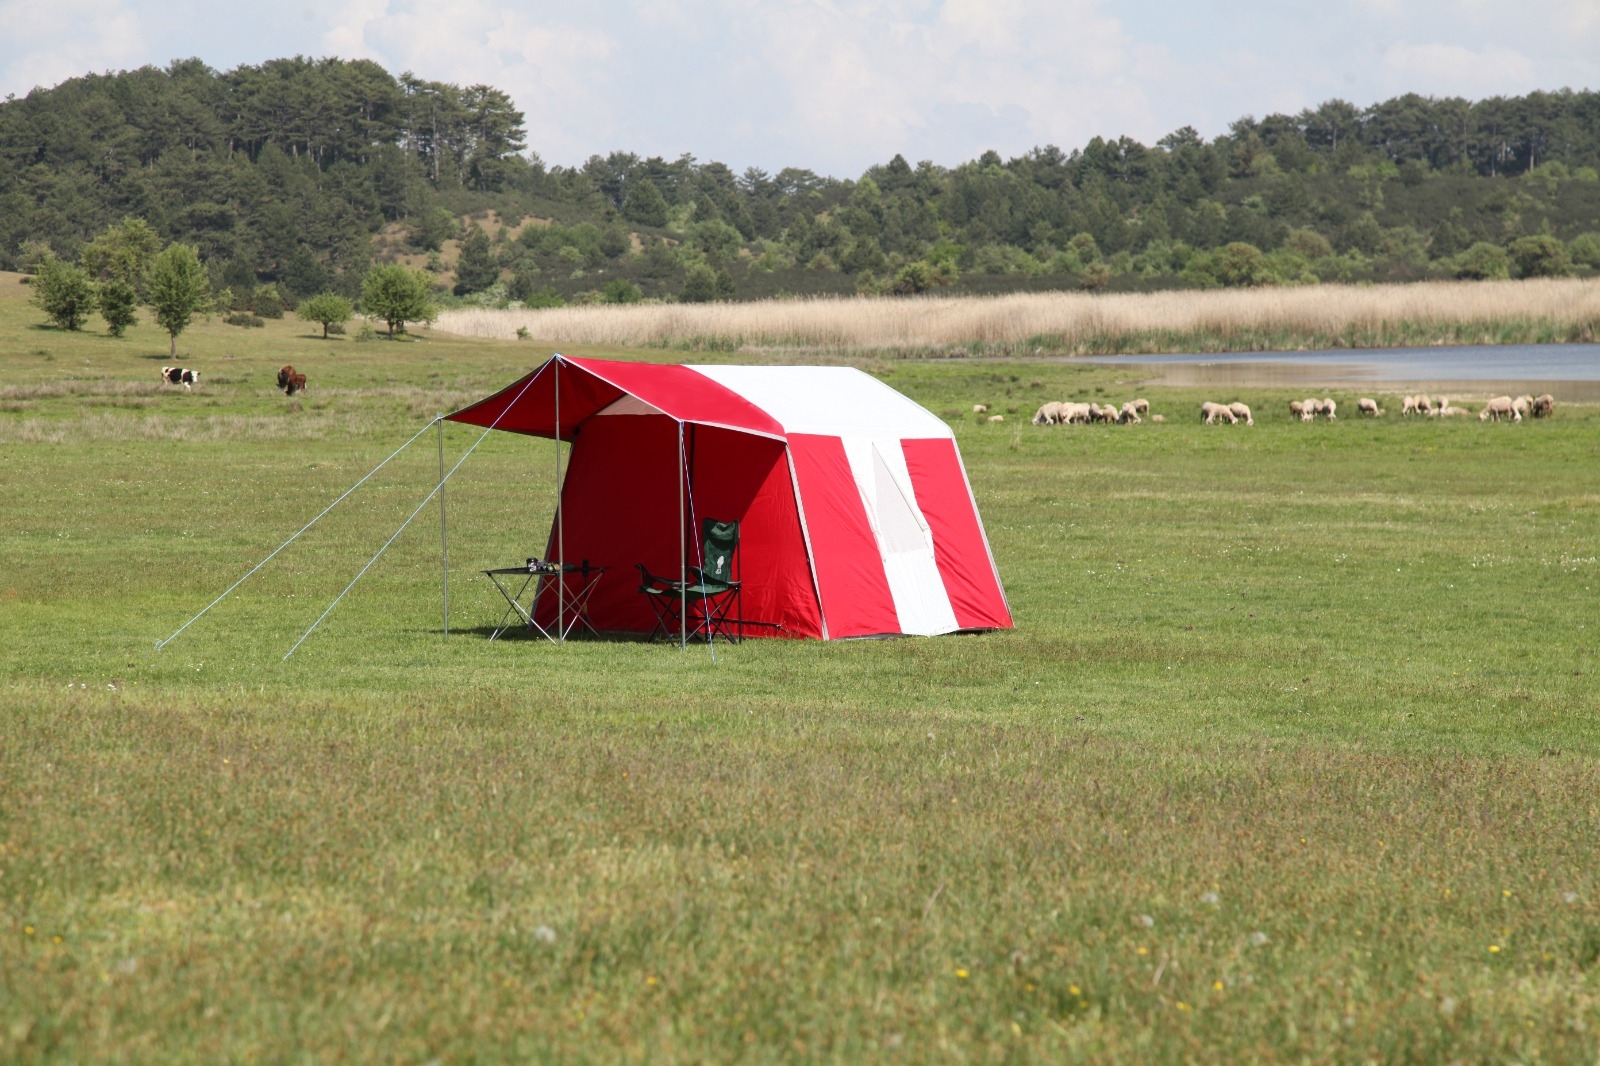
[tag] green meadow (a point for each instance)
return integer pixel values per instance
(1292, 756)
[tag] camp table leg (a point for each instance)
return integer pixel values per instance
(515, 604)
(578, 604)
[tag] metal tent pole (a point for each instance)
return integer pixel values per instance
(444, 535)
(683, 556)
(561, 525)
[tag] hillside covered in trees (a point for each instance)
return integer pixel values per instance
(297, 173)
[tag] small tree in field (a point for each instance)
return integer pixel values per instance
(328, 308)
(123, 251)
(63, 291)
(118, 301)
(178, 288)
(397, 294)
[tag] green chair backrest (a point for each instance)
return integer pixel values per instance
(719, 541)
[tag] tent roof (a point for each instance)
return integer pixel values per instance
(589, 386)
(772, 401)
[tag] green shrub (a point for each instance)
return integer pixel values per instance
(1585, 250)
(543, 298)
(703, 284)
(117, 300)
(1483, 262)
(1540, 256)
(267, 302)
(621, 291)
(63, 291)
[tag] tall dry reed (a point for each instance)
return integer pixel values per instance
(1075, 322)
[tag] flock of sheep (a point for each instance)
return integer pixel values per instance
(1069, 413)
(1134, 411)
(1501, 407)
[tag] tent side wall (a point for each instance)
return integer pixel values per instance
(740, 476)
(620, 507)
(851, 583)
(965, 562)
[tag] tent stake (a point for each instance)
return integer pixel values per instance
(444, 535)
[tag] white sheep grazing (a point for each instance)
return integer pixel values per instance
(1213, 413)
(1408, 406)
(1523, 405)
(1328, 409)
(1048, 415)
(1075, 413)
(1241, 411)
(1310, 408)
(1368, 406)
(997, 418)
(1142, 405)
(1543, 406)
(1106, 414)
(1129, 416)
(1498, 408)
(1297, 408)
(980, 408)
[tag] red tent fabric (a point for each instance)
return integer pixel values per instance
(856, 517)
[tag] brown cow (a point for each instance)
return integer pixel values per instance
(290, 381)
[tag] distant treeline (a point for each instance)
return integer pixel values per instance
(282, 174)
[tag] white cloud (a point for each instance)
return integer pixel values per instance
(1451, 70)
(47, 43)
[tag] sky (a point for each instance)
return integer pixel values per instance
(837, 86)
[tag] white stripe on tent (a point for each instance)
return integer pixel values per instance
(905, 542)
(829, 401)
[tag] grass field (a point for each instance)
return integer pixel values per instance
(1292, 756)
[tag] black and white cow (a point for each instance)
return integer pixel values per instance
(177, 375)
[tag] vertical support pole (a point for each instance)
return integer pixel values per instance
(683, 556)
(444, 535)
(561, 529)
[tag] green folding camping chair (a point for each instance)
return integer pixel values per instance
(700, 605)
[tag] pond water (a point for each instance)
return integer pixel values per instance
(1568, 371)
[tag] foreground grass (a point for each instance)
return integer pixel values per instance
(1292, 756)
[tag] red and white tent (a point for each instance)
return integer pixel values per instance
(856, 516)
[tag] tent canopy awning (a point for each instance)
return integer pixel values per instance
(590, 387)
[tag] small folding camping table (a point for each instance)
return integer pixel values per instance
(571, 609)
